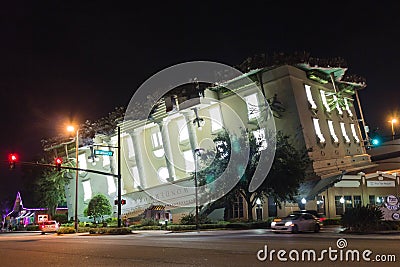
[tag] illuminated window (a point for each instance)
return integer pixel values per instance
(318, 131)
(346, 137)
(259, 135)
(324, 101)
(337, 105)
(189, 160)
(111, 185)
(87, 190)
(163, 174)
(216, 119)
(353, 131)
(309, 96)
(159, 152)
(183, 130)
(253, 110)
(106, 161)
(135, 176)
(129, 143)
(82, 162)
(346, 103)
(156, 139)
(332, 131)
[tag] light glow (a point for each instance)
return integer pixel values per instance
(332, 131)
(318, 131)
(309, 96)
(346, 137)
(324, 101)
(337, 105)
(353, 131)
(346, 103)
(70, 128)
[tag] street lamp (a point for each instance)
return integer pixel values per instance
(393, 121)
(72, 129)
(196, 152)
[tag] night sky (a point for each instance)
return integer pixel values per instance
(61, 61)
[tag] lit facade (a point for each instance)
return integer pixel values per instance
(157, 155)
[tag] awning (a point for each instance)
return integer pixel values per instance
(323, 184)
(310, 189)
(156, 207)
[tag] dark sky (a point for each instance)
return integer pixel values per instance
(60, 60)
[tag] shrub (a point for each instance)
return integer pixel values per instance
(110, 231)
(32, 228)
(191, 219)
(362, 219)
(61, 218)
(66, 230)
(181, 227)
(332, 221)
(149, 222)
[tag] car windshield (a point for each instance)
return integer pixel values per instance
(292, 217)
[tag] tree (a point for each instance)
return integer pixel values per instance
(98, 207)
(288, 169)
(50, 188)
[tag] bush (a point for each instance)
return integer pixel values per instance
(110, 231)
(332, 221)
(181, 227)
(362, 219)
(32, 228)
(191, 219)
(149, 222)
(66, 230)
(61, 218)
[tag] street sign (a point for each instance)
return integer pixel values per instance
(103, 152)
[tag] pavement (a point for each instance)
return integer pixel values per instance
(336, 229)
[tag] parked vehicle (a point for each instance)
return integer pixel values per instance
(49, 227)
(296, 222)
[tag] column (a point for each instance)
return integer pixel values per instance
(138, 157)
(167, 149)
(191, 130)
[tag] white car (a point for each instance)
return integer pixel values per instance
(297, 222)
(49, 227)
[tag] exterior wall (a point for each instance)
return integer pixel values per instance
(360, 185)
(140, 167)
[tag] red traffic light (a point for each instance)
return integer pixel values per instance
(12, 157)
(123, 201)
(58, 162)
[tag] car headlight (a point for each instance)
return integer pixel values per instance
(288, 223)
(273, 223)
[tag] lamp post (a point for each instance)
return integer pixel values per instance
(119, 175)
(196, 151)
(71, 129)
(393, 121)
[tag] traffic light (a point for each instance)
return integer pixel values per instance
(12, 159)
(375, 142)
(123, 202)
(58, 162)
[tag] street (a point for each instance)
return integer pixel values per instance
(206, 248)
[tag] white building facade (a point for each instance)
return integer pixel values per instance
(158, 157)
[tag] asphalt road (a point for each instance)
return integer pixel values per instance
(206, 248)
